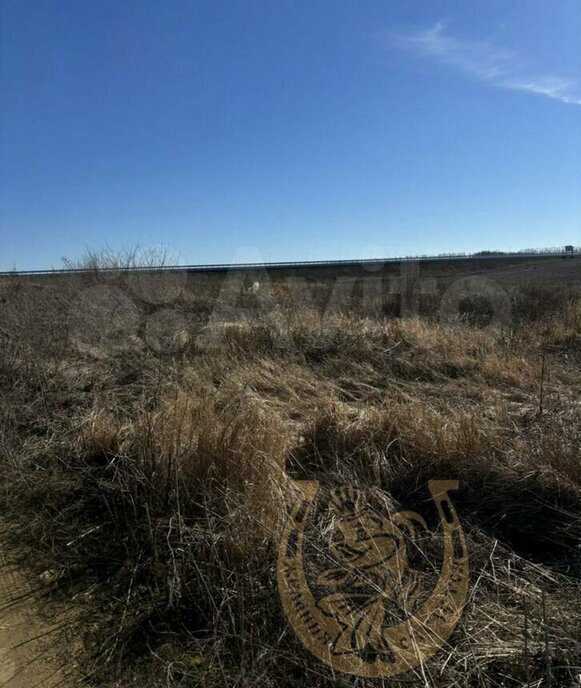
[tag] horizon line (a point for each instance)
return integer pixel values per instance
(565, 250)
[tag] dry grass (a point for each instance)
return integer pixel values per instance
(153, 487)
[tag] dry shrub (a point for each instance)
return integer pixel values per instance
(536, 302)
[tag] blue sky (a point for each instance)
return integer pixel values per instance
(288, 130)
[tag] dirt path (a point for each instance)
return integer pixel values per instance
(25, 657)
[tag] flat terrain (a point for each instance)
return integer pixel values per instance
(148, 448)
(558, 269)
(27, 654)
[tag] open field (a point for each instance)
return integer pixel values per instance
(151, 426)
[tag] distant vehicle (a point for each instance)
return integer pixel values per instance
(569, 249)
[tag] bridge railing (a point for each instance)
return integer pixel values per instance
(220, 267)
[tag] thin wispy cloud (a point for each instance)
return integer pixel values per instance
(487, 62)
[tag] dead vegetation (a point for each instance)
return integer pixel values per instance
(151, 481)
